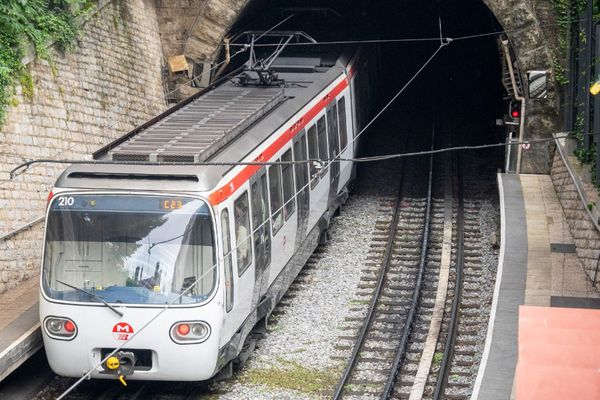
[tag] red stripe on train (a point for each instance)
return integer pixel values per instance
(221, 194)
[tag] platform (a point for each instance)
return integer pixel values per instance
(537, 267)
(559, 354)
(20, 335)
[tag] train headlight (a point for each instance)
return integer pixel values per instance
(189, 332)
(60, 328)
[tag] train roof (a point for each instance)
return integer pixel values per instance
(221, 124)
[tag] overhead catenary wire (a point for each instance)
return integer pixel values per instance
(320, 162)
(405, 40)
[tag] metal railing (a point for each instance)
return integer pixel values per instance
(582, 197)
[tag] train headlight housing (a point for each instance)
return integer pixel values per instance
(189, 332)
(60, 328)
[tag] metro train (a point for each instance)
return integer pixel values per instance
(166, 249)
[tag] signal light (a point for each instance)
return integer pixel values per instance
(515, 109)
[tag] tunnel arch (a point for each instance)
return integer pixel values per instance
(197, 32)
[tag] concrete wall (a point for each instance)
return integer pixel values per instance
(110, 82)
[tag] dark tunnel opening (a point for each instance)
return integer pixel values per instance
(460, 89)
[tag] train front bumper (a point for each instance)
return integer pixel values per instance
(158, 356)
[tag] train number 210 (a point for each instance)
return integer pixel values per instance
(65, 201)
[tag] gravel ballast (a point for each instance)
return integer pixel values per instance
(294, 361)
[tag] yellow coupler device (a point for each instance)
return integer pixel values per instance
(121, 364)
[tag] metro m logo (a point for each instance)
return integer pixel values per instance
(122, 331)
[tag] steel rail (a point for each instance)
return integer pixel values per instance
(378, 290)
(397, 364)
(443, 374)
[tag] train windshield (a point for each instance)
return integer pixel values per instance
(129, 249)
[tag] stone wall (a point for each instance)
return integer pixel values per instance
(195, 28)
(585, 234)
(109, 83)
(533, 33)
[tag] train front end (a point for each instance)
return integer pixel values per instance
(130, 270)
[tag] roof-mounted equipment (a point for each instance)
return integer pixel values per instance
(258, 71)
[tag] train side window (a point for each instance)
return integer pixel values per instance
(301, 170)
(332, 127)
(313, 154)
(256, 207)
(227, 260)
(287, 175)
(276, 198)
(322, 139)
(342, 124)
(242, 233)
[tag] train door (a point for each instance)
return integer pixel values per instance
(302, 187)
(334, 151)
(261, 228)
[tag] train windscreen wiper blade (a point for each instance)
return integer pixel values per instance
(92, 295)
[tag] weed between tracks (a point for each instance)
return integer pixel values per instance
(291, 375)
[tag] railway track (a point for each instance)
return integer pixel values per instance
(420, 336)
(392, 284)
(465, 320)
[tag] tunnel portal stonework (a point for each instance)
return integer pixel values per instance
(114, 79)
(533, 33)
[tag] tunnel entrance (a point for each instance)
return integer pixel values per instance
(461, 89)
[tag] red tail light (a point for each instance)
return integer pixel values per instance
(69, 326)
(183, 329)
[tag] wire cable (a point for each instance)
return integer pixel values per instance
(320, 163)
(405, 40)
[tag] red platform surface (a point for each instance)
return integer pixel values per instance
(559, 353)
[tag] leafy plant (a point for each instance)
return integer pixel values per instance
(32, 22)
(568, 13)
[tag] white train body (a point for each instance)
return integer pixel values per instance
(193, 256)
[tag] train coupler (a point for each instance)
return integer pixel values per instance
(121, 364)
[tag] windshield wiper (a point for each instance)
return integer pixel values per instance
(92, 295)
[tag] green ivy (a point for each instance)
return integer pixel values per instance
(585, 156)
(32, 22)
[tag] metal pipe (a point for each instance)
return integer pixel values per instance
(519, 98)
(21, 229)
